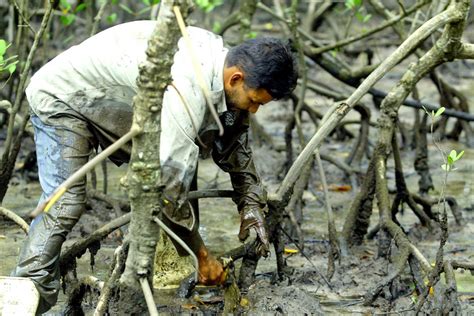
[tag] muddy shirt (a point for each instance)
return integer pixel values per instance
(96, 81)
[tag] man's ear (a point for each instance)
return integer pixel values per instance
(236, 78)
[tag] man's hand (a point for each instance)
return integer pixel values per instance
(211, 271)
(252, 217)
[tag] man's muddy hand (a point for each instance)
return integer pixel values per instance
(252, 217)
(211, 271)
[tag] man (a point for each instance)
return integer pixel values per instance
(82, 100)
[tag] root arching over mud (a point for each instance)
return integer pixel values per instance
(361, 217)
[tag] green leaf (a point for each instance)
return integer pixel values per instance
(9, 59)
(114, 1)
(358, 2)
(367, 17)
(349, 4)
(208, 5)
(359, 16)
(65, 5)
(426, 110)
(3, 47)
(11, 68)
(154, 2)
(440, 111)
(125, 8)
(216, 27)
(251, 35)
(450, 160)
(146, 2)
(112, 18)
(445, 167)
(460, 155)
(80, 7)
(145, 9)
(67, 19)
(453, 154)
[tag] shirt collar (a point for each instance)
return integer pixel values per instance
(218, 81)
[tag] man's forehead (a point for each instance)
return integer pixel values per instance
(262, 95)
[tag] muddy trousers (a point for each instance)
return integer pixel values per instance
(60, 153)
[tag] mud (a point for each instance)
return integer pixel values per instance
(304, 291)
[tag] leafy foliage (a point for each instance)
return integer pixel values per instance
(8, 63)
(453, 155)
(451, 159)
(359, 10)
(69, 15)
(208, 5)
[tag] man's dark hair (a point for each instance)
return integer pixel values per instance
(267, 63)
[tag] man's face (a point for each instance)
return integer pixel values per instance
(239, 96)
(247, 99)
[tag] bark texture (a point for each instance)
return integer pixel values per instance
(144, 174)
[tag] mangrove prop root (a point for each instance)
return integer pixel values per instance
(15, 218)
(402, 190)
(451, 293)
(361, 143)
(119, 265)
(78, 248)
(399, 266)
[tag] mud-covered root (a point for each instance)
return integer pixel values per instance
(362, 141)
(451, 302)
(78, 290)
(15, 218)
(408, 253)
(428, 203)
(372, 294)
(118, 267)
(186, 286)
(80, 247)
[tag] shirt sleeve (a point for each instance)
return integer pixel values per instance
(232, 153)
(181, 118)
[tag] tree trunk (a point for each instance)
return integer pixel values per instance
(144, 173)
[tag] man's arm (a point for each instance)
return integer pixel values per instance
(178, 157)
(233, 154)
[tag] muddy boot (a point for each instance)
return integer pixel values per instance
(18, 296)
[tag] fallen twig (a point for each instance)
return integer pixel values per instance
(110, 283)
(15, 218)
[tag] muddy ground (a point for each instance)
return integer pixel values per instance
(304, 292)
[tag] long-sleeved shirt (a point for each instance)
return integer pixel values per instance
(96, 81)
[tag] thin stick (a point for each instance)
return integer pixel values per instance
(325, 189)
(337, 112)
(22, 83)
(332, 233)
(80, 246)
(346, 41)
(98, 17)
(106, 290)
(197, 68)
(23, 17)
(15, 218)
(150, 302)
(307, 257)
